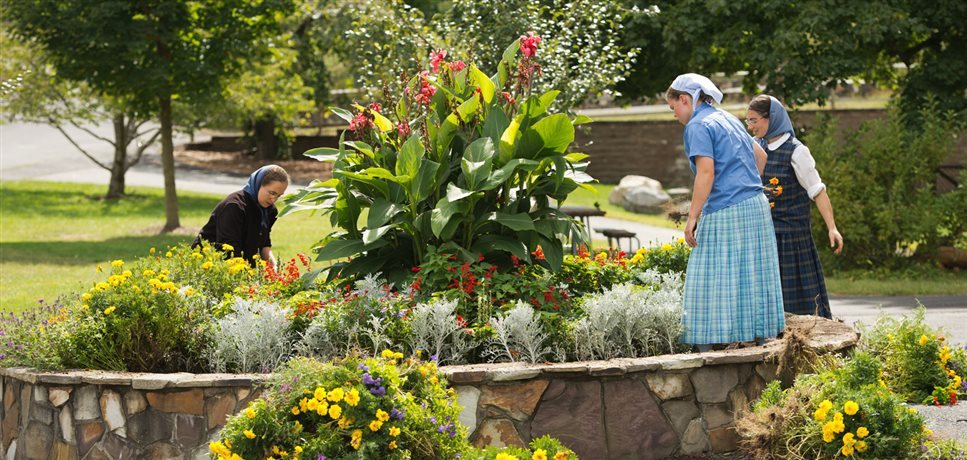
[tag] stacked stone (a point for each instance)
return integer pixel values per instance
(102, 415)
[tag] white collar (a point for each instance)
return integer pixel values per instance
(782, 140)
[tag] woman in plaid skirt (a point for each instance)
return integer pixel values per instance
(791, 181)
(732, 287)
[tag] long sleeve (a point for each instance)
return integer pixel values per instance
(805, 166)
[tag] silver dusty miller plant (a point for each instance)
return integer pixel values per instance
(434, 329)
(630, 321)
(254, 337)
(519, 336)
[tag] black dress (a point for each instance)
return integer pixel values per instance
(803, 285)
(237, 221)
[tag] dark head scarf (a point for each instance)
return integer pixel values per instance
(252, 190)
(779, 122)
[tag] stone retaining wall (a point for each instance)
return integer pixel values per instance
(625, 408)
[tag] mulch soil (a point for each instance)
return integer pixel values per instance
(239, 163)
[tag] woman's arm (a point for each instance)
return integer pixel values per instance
(826, 210)
(704, 176)
(760, 157)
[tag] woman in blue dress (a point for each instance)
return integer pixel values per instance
(732, 286)
(792, 167)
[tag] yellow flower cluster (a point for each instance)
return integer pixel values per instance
(923, 340)
(390, 354)
(852, 442)
(223, 450)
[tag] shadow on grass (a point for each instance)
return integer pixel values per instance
(39, 202)
(86, 252)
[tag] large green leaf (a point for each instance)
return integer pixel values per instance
(381, 212)
(362, 147)
(553, 252)
(517, 222)
(477, 162)
(381, 173)
(551, 135)
(455, 193)
(408, 161)
(490, 243)
(494, 126)
(508, 62)
(342, 113)
(324, 154)
(508, 140)
(337, 249)
(366, 179)
(468, 109)
(444, 136)
(372, 235)
(487, 87)
(425, 181)
(443, 213)
(504, 172)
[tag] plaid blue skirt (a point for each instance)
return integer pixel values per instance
(803, 285)
(733, 291)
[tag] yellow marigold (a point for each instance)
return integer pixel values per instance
(250, 413)
(109, 310)
(680, 240)
(207, 265)
(218, 448)
(320, 393)
(352, 397)
(849, 439)
(394, 431)
(862, 432)
(539, 454)
(828, 436)
(561, 455)
(344, 422)
(861, 446)
(819, 415)
(336, 395)
(381, 415)
(387, 353)
(196, 255)
(826, 405)
(847, 451)
(335, 411)
(249, 434)
(151, 250)
(168, 254)
(774, 181)
(391, 445)
(297, 449)
(851, 407)
(503, 456)
(923, 340)
(357, 438)
(117, 263)
(600, 257)
(86, 296)
(312, 404)
(667, 247)
(323, 408)
(295, 410)
(375, 425)
(127, 274)
(227, 247)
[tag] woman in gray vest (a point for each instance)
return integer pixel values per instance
(791, 182)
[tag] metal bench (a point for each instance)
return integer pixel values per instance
(617, 234)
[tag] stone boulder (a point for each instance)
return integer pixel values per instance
(639, 194)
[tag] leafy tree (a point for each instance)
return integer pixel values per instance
(148, 53)
(33, 92)
(802, 50)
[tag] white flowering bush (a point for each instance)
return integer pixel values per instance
(254, 337)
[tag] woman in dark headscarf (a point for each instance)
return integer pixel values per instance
(791, 181)
(244, 219)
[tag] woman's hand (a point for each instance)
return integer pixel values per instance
(690, 231)
(835, 241)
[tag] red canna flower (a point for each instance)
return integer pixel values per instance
(403, 130)
(436, 58)
(529, 44)
(375, 107)
(457, 66)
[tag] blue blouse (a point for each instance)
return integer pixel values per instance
(720, 135)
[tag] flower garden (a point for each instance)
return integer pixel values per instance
(451, 249)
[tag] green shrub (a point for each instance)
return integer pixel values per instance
(25, 338)
(381, 407)
(841, 411)
(917, 362)
(881, 184)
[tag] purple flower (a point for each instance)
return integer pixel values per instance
(368, 380)
(441, 428)
(433, 358)
(321, 457)
(433, 420)
(396, 414)
(363, 366)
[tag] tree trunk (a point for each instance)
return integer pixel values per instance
(168, 166)
(116, 187)
(265, 146)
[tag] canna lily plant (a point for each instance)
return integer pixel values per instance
(471, 163)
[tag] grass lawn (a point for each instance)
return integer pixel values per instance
(911, 282)
(53, 235)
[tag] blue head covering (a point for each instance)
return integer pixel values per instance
(693, 84)
(779, 122)
(252, 190)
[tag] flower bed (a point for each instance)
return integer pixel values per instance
(668, 404)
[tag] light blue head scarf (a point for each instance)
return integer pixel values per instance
(252, 189)
(693, 84)
(779, 122)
